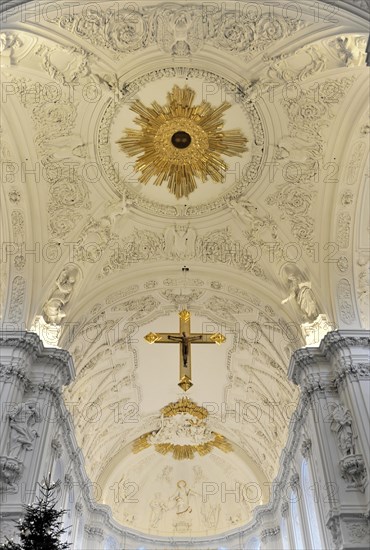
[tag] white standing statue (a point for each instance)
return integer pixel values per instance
(341, 424)
(302, 294)
(22, 432)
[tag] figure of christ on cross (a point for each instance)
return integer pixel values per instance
(184, 338)
(185, 341)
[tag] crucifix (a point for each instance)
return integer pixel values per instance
(184, 338)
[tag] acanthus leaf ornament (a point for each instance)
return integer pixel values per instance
(180, 142)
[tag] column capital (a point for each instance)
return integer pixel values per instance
(22, 348)
(340, 353)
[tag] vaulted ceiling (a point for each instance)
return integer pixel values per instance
(94, 258)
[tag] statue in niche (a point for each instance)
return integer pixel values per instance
(341, 424)
(53, 310)
(22, 432)
(158, 507)
(301, 293)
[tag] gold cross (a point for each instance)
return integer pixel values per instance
(184, 338)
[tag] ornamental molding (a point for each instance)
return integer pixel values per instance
(351, 528)
(31, 344)
(294, 482)
(307, 116)
(94, 532)
(301, 360)
(353, 471)
(352, 371)
(284, 509)
(333, 524)
(17, 299)
(180, 31)
(250, 110)
(344, 340)
(179, 242)
(269, 533)
(306, 448)
(359, 8)
(180, 142)
(12, 371)
(337, 349)
(54, 122)
(184, 430)
(11, 470)
(358, 531)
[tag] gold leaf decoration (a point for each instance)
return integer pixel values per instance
(182, 452)
(184, 405)
(179, 142)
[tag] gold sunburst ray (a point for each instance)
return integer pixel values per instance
(180, 143)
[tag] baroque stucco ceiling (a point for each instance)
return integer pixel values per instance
(109, 251)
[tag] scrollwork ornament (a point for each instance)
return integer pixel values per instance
(269, 533)
(10, 472)
(306, 448)
(294, 482)
(345, 301)
(353, 471)
(94, 532)
(284, 510)
(334, 527)
(358, 532)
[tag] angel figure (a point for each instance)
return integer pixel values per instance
(53, 309)
(302, 294)
(243, 208)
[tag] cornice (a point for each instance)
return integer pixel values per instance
(336, 350)
(30, 343)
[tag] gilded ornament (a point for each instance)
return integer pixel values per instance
(179, 142)
(183, 432)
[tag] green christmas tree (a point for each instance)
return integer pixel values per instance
(42, 524)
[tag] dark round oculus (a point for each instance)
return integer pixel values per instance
(181, 140)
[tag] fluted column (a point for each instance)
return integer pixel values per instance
(334, 382)
(31, 379)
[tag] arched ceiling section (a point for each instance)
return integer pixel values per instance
(95, 257)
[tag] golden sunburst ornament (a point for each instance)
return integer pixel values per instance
(180, 142)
